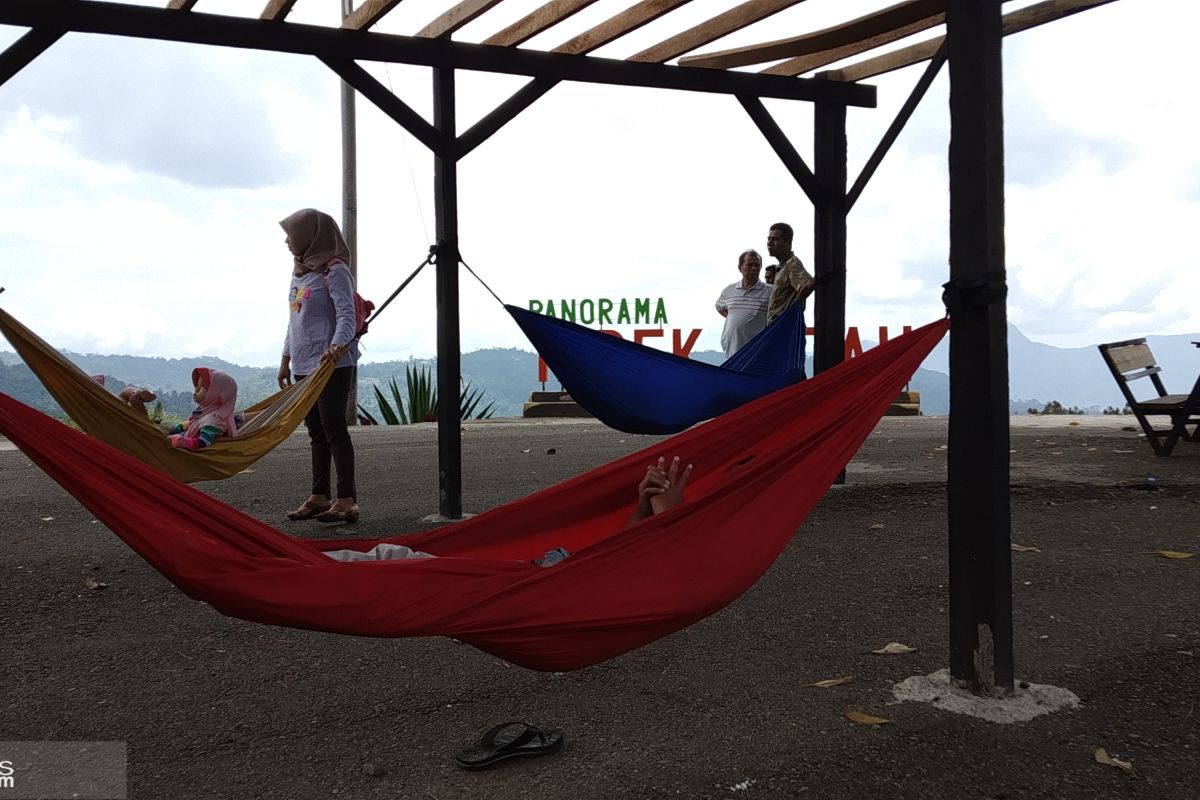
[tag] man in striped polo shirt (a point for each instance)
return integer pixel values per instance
(743, 304)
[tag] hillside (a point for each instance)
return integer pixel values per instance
(1077, 376)
(1038, 373)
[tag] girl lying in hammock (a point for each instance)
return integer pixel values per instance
(660, 490)
(215, 394)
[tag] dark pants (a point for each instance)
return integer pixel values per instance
(329, 437)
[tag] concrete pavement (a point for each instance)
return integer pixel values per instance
(218, 708)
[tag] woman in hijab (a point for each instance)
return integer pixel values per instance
(321, 325)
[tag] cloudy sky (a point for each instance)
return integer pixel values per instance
(142, 183)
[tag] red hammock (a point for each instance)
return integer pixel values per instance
(618, 590)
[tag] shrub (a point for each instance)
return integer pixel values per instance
(422, 400)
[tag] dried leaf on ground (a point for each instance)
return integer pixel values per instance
(825, 684)
(47, 519)
(866, 719)
(94, 584)
(1020, 548)
(1174, 554)
(878, 526)
(894, 649)
(1102, 757)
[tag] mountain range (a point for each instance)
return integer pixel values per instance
(1038, 373)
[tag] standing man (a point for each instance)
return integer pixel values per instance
(792, 282)
(743, 304)
(769, 274)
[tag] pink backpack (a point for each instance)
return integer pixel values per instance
(362, 306)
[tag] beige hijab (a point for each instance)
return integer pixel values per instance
(316, 239)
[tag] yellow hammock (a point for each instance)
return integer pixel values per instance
(101, 414)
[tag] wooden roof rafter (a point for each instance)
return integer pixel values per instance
(613, 28)
(277, 9)
(801, 54)
(1014, 22)
(533, 23)
(712, 29)
(807, 63)
(456, 17)
(878, 23)
(368, 14)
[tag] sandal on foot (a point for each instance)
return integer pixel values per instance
(340, 513)
(307, 510)
(509, 740)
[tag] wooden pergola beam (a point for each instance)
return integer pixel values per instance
(615, 27)
(537, 21)
(20, 53)
(368, 14)
(1020, 20)
(277, 9)
(876, 24)
(456, 17)
(118, 19)
(710, 30)
(386, 101)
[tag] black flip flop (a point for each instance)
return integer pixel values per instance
(509, 740)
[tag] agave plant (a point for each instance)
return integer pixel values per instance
(422, 400)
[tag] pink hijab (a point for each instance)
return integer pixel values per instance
(217, 407)
(316, 240)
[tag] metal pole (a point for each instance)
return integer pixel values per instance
(349, 164)
(981, 656)
(445, 198)
(350, 202)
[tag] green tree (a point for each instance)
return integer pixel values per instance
(1055, 407)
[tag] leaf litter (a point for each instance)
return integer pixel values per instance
(1102, 757)
(830, 682)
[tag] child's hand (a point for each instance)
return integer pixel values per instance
(661, 488)
(672, 483)
(175, 440)
(654, 483)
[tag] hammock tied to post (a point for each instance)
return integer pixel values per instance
(620, 588)
(101, 414)
(639, 389)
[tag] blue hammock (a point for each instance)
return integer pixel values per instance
(638, 389)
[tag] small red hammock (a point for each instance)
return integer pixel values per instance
(618, 590)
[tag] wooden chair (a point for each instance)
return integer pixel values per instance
(1132, 360)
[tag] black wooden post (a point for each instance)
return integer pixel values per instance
(829, 236)
(829, 239)
(445, 199)
(981, 655)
